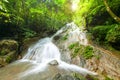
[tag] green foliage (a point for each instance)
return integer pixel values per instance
(77, 49)
(88, 52)
(113, 35)
(108, 35)
(37, 16)
(72, 46)
(2, 52)
(93, 12)
(28, 33)
(99, 32)
(65, 37)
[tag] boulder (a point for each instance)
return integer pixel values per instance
(8, 50)
(54, 63)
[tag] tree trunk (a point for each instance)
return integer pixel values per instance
(115, 17)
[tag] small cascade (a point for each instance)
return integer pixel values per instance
(45, 53)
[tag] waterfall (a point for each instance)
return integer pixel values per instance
(45, 52)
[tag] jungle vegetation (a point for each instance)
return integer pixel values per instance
(21, 19)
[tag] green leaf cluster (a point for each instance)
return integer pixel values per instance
(113, 35)
(100, 32)
(88, 52)
(36, 16)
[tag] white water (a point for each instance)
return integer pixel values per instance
(45, 51)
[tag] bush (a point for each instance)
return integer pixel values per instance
(99, 32)
(28, 33)
(113, 35)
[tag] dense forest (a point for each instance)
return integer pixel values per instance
(27, 18)
(24, 19)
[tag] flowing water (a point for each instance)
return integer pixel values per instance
(42, 62)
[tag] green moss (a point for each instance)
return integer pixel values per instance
(8, 59)
(4, 52)
(73, 45)
(76, 50)
(65, 37)
(88, 52)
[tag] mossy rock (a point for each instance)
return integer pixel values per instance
(9, 44)
(4, 52)
(8, 50)
(8, 59)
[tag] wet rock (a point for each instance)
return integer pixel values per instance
(8, 50)
(54, 63)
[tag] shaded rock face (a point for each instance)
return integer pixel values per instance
(8, 50)
(103, 62)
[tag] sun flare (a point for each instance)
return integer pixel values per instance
(74, 5)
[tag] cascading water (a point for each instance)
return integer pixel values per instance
(45, 54)
(45, 51)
